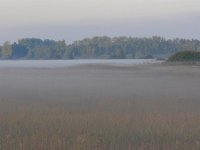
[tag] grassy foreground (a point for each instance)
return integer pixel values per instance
(100, 125)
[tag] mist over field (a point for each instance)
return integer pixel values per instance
(100, 106)
(97, 80)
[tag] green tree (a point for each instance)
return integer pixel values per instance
(60, 49)
(119, 54)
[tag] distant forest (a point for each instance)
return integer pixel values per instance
(97, 47)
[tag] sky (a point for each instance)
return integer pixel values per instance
(76, 19)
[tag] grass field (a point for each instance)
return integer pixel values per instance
(100, 108)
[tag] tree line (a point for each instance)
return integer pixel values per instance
(97, 47)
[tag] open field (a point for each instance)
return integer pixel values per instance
(99, 107)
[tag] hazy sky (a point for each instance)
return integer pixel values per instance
(76, 19)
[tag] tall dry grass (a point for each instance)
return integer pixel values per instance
(107, 124)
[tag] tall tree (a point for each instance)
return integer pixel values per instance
(6, 50)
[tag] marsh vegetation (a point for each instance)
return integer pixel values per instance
(145, 107)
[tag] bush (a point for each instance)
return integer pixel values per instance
(189, 56)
